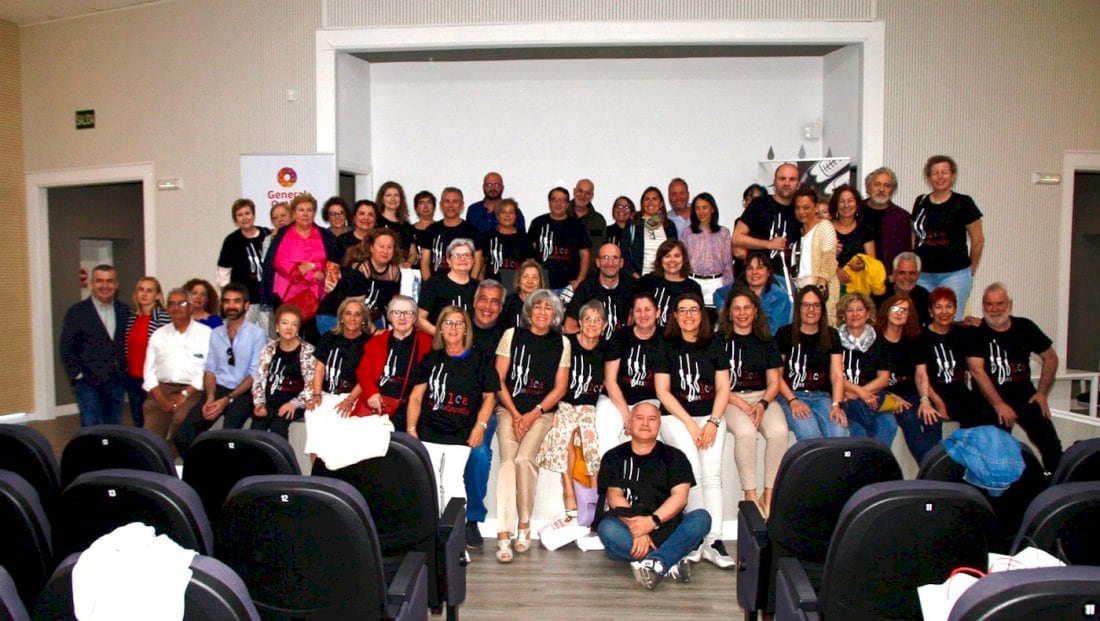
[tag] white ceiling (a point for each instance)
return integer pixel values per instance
(26, 12)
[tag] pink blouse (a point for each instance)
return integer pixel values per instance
(293, 251)
(710, 253)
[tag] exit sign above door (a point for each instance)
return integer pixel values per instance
(85, 119)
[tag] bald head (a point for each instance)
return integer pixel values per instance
(786, 183)
(583, 193)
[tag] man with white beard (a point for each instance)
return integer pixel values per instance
(889, 224)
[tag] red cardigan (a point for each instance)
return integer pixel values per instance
(374, 358)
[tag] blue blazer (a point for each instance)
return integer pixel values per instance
(633, 245)
(87, 351)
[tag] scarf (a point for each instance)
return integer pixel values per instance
(861, 343)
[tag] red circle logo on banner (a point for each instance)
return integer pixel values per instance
(287, 177)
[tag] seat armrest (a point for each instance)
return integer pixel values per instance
(753, 558)
(409, 584)
(795, 597)
(453, 519)
(451, 554)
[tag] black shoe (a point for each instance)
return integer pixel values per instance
(474, 540)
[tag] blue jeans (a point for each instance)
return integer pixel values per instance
(136, 395)
(919, 437)
(99, 405)
(866, 422)
(477, 475)
(960, 282)
(617, 540)
(817, 424)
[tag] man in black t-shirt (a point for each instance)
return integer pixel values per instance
(488, 301)
(903, 281)
(999, 359)
(435, 239)
(608, 287)
(768, 223)
(560, 243)
(646, 483)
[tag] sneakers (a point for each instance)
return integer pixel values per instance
(695, 555)
(474, 540)
(681, 571)
(716, 553)
(647, 572)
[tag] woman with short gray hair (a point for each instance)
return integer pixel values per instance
(454, 286)
(533, 362)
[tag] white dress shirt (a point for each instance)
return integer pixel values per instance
(175, 357)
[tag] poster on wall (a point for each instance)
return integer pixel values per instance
(268, 179)
(825, 174)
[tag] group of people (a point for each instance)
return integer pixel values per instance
(628, 350)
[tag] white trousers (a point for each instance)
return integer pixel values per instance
(449, 463)
(706, 465)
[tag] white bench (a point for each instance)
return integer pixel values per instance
(1077, 375)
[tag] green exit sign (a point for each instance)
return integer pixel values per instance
(85, 119)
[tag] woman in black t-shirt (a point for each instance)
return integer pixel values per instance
(393, 214)
(669, 279)
(899, 331)
(755, 369)
(364, 218)
(455, 286)
(943, 222)
(628, 372)
(371, 271)
(944, 351)
(576, 417)
(451, 400)
(504, 247)
(866, 370)
(693, 385)
(812, 385)
(533, 365)
(852, 234)
(335, 387)
(390, 359)
(530, 277)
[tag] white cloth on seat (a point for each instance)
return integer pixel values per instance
(132, 573)
(344, 441)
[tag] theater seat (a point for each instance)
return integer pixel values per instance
(27, 551)
(1044, 593)
(98, 502)
(307, 549)
(11, 605)
(114, 446)
(25, 451)
(1080, 462)
(219, 458)
(402, 494)
(214, 593)
(815, 479)
(1062, 521)
(890, 538)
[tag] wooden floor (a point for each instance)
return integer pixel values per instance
(565, 584)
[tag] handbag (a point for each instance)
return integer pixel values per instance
(390, 405)
(306, 301)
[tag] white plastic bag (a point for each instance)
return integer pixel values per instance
(561, 531)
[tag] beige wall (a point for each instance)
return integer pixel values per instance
(1004, 87)
(16, 387)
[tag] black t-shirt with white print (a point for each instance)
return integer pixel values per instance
(1007, 355)
(945, 355)
(341, 357)
(453, 395)
(440, 291)
(861, 367)
(396, 368)
(502, 252)
(244, 259)
(940, 232)
(665, 292)
(585, 373)
(284, 378)
(637, 363)
(904, 356)
(615, 301)
(693, 367)
(646, 481)
(532, 366)
(557, 244)
(807, 363)
(750, 359)
(768, 219)
(438, 236)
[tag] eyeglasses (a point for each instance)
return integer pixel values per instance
(610, 257)
(232, 358)
(336, 213)
(688, 311)
(811, 306)
(178, 304)
(454, 323)
(622, 207)
(402, 313)
(461, 255)
(592, 319)
(897, 308)
(492, 185)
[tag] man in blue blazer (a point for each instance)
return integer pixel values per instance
(93, 350)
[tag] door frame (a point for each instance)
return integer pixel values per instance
(1072, 162)
(38, 185)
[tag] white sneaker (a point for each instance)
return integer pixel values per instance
(695, 555)
(647, 572)
(681, 571)
(716, 553)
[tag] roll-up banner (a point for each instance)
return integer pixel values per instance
(268, 179)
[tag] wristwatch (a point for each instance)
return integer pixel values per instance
(656, 520)
(765, 402)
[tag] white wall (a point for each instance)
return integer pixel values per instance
(353, 152)
(842, 72)
(626, 124)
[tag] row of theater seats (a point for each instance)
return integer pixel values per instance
(366, 541)
(848, 539)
